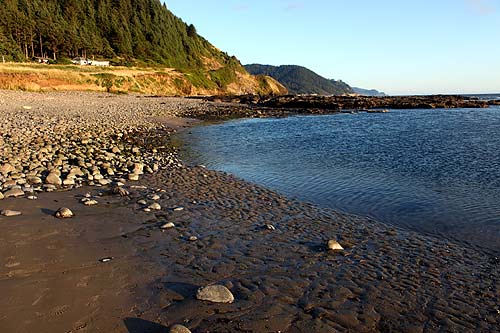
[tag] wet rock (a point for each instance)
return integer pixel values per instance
(9, 213)
(155, 206)
(179, 329)
(215, 294)
(154, 197)
(64, 213)
(333, 245)
(168, 225)
(14, 193)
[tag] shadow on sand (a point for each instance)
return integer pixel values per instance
(137, 325)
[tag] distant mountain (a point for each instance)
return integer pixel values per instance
(368, 92)
(300, 80)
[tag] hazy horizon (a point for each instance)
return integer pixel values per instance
(396, 47)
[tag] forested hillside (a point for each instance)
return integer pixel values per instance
(130, 29)
(139, 33)
(300, 80)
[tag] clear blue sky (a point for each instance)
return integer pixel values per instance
(400, 47)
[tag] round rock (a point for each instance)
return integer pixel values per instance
(155, 206)
(53, 179)
(64, 213)
(179, 329)
(215, 294)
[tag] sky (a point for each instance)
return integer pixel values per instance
(399, 47)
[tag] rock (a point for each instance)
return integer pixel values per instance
(154, 197)
(69, 181)
(215, 294)
(104, 181)
(7, 168)
(120, 191)
(168, 225)
(138, 168)
(53, 179)
(142, 202)
(133, 177)
(270, 227)
(146, 210)
(9, 213)
(34, 180)
(155, 206)
(14, 193)
(193, 239)
(179, 329)
(90, 202)
(1, 196)
(32, 197)
(334, 245)
(64, 213)
(178, 209)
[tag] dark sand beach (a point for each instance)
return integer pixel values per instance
(53, 277)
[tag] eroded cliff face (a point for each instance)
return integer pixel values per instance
(158, 81)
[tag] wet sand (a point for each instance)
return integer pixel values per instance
(284, 280)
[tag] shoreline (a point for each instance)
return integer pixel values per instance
(284, 279)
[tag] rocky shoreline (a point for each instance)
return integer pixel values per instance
(159, 232)
(280, 106)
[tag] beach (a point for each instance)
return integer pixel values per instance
(113, 268)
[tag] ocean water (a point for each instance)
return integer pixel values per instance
(433, 171)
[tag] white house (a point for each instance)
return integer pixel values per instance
(80, 61)
(99, 63)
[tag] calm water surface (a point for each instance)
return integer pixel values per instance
(434, 171)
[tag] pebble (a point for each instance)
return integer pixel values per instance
(154, 197)
(155, 206)
(178, 209)
(270, 227)
(14, 193)
(334, 245)
(1, 196)
(215, 294)
(32, 197)
(179, 329)
(9, 213)
(64, 213)
(168, 225)
(90, 202)
(142, 202)
(193, 239)
(146, 210)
